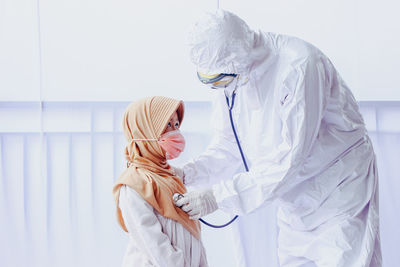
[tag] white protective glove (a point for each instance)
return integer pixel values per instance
(197, 203)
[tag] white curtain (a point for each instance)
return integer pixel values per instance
(58, 162)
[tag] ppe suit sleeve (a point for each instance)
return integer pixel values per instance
(143, 224)
(300, 112)
(221, 159)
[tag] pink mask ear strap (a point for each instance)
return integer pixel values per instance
(144, 140)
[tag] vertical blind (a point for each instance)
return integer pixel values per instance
(58, 165)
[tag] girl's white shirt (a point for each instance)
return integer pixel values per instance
(155, 240)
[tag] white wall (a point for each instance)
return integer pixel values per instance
(362, 38)
(121, 50)
(118, 50)
(19, 51)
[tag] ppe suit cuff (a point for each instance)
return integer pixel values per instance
(188, 174)
(179, 173)
(193, 176)
(227, 197)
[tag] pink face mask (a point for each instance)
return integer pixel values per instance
(173, 143)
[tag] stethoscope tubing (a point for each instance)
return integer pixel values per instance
(230, 107)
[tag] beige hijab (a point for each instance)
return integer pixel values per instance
(148, 172)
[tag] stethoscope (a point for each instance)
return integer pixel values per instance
(230, 107)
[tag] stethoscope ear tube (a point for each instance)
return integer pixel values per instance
(230, 107)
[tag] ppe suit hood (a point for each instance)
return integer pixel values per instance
(221, 42)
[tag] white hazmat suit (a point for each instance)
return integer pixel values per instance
(303, 138)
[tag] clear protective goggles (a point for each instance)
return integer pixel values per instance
(216, 81)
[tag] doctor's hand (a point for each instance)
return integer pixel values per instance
(197, 203)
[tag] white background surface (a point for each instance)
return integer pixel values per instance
(58, 164)
(118, 50)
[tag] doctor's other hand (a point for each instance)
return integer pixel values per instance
(198, 203)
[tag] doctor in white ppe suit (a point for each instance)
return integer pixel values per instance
(302, 137)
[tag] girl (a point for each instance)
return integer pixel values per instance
(160, 233)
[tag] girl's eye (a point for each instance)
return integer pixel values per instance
(169, 124)
(177, 124)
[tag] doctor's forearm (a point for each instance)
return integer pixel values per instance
(217, 163)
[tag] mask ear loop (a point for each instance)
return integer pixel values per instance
(144, 139)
